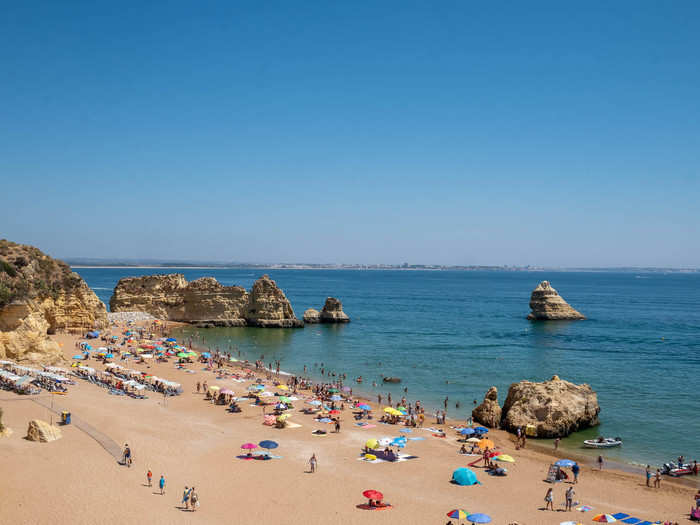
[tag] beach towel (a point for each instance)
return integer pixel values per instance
(620, 515)
(365, 426)
(417, 438)
(293, 425)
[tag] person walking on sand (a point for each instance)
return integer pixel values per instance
(199, 387)
(657, 479)
(570, 497)
(127, 455)
(600, 462)
(575, 469)
(556, 443)
(161, 484)
(549, 499)
(337, 426)
(648, 474)
(186, 497)
(312, 462)
(194, 500)
(149, 477)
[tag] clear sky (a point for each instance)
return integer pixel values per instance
(545, 133)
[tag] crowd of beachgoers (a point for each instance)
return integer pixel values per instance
(131, 358)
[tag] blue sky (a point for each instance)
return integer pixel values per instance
(374, 132)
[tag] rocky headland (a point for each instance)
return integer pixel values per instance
(40, 295)
(547, 305)
(488, 413)
(205, 301)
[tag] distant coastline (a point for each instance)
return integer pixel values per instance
(80, 263)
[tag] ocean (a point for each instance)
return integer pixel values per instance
(456, 333)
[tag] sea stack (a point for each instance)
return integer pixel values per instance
(269, 307)
(556, 407)
(332, 312)
(40, 295)
(311, 316)
(488, 413)
(547, 305)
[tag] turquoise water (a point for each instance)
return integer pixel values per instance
(639, 349)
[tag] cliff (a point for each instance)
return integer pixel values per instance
(547, 305)
(40, 295)
(556, 407)
(205, 301)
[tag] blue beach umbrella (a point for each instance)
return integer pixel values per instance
(464, 476)
(364, 407)
(109, 356)
(171, 340)
(479, 518)
(568, 463)
(315, 402)
(324, 420)
(336, 398)
(481, 430)
(467, 431)
(267, 444)
(206, 355)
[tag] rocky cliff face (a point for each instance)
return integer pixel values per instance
(205, 301)
(332, 312)
(556, 407)
(269, 307)
(488, 413)
(38, 296)
(547, 305)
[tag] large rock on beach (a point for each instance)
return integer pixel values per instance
(204, 302)
(332, 312)
(41, 431)
(40, 295)
(547, 305)
(488, 413)
(269, 307)
(311, 316)
(556, 407)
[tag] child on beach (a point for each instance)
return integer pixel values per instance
(149, 477)
(186, 497)
(549, 499)
(312, 463)
(161, 483)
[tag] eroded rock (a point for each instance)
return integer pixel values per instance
(332, 312)
(547, 305)
(488, 413)
(41, 431)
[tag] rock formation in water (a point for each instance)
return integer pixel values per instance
(547, 305)
(269, 307)
(41, 431)
(205, 301)
(40, 295)
(332, 312)
(556, 407)
(311, 316)
(488, 413)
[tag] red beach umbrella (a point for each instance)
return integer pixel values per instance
(373, 494)
(334, 412)
(249, 446)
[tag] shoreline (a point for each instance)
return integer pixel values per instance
(543, 446)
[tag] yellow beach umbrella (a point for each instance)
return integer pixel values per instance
(214, 387)
(372, 443)
(486, 443)
(504, 457)
(283, 387)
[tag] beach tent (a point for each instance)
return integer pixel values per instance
(464, 476)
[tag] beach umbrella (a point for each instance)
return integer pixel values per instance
(256, 387)
(568, 463)
(473, 440)
(285, 399)
(364, 407)
(249, 446)
(373, 494)
(457, 514)
(333, 390)
(227, 391)
(604, 518)
(206, 355)
(325, 420)
(171, 340)
(464, 476)
(266, 394)
(479, 518)
(109, 356)
(571, 523)
(504, 457)
(398, 442)
(372, 443)
(486, 443)
(334, 412)
(283, 387)
(214, 387)
(281, 406)
(467, 431)
(267, 444)
(336, 398)
(182, 354)
(481, 430)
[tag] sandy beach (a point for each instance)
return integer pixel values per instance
(194, 443)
